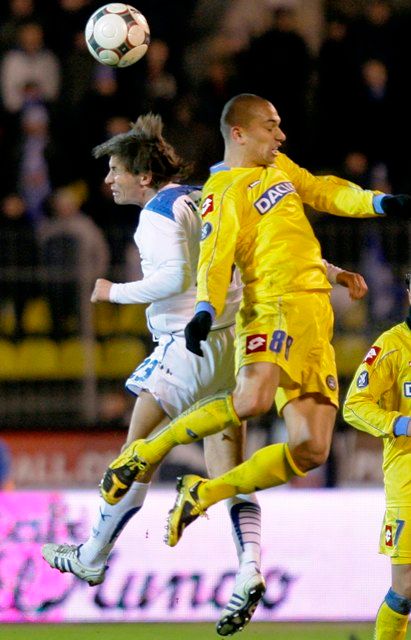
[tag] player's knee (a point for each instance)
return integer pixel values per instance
(311, 455)
(253, 405)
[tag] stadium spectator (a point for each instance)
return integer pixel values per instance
(32, 163)
(160, 90)
(19, 11)
(19, 257)
(74, 251)
(379, 403)
(265, 233)
(338, 79)
(30, 63)
(290, 89)
(374, 105)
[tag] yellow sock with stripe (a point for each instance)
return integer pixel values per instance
(392, 617)
(268, 467)
(204, 418)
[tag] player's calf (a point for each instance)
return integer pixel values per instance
(129, 467)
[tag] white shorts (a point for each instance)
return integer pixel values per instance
(177, 378)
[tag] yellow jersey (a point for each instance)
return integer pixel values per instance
(254, 218)
(379, 395)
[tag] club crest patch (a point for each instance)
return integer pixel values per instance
(372, 355)
(206, 229)
(362, 380)
(331, 382)
(256, 342)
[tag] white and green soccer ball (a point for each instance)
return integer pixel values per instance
(117, 35)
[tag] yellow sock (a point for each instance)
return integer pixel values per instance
(204, 418)
(268, 467)
(390, 625)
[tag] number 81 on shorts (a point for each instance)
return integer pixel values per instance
(279, 341)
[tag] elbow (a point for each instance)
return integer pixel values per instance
(180, 282)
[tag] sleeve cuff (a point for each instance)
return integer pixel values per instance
(401, 426)
(206, 306)
(376, 201)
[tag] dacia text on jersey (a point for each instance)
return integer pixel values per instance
(272, 196)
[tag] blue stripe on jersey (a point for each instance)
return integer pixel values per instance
(163, 202)
(220, 166)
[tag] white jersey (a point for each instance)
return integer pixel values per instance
(167, 237)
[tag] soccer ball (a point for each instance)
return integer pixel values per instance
(117, 35)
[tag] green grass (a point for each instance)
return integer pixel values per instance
(194, 631)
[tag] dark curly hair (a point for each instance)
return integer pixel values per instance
(143, 149)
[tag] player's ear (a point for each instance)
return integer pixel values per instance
(237, 134)
(145, 179)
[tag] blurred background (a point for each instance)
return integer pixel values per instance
(337, 71)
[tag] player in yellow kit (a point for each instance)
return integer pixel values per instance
(253, 216)
(379, 402)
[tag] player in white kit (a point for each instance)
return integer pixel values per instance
(144, 170)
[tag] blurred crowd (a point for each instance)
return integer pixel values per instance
(343, 106)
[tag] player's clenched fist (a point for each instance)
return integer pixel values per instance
(101, 292)
(355, 283)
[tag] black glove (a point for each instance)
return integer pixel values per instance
(397, 206)
(198, 329)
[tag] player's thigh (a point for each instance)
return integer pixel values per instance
(255, 389)
(310, 421)
(146, 417)
(176, 378)
(224, 450)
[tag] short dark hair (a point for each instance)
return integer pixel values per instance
(143, 149)
(408, 280)
(239, 111)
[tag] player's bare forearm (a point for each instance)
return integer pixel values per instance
(355, 283)
(101, 291)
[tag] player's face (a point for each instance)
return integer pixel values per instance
(125, 186)
(262, 137)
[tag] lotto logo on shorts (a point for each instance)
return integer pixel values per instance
(388, 535)
(372, 355)
(208, 206)
(257, 342)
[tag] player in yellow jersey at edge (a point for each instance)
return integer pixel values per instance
(253, 217)
(379, 402)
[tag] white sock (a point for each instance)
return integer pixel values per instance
(245, 514)
(110, 522)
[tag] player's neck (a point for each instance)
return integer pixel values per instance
(237, 159)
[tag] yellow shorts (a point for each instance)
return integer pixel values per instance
(395, 537)
(294, 331)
